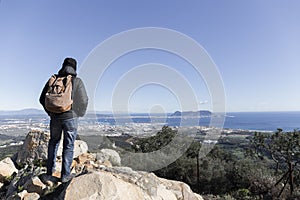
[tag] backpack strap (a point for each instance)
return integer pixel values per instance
(52, 80)
(73, 81)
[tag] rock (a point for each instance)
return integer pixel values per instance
(111, 155)
(58, 167)
(7, 168)
(132, 185)
(106, 163)
(124, 170)
(31, 196)
(80, 147)
(35, 148)
(22, 177)
(85, 157)
(35, 185)
(98, 176)
(179, 189)
(102, 185)
(24, 195)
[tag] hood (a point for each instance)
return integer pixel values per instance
(67, 70)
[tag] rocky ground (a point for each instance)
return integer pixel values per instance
(97, 176)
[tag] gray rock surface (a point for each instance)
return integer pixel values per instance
(34, 148)
(104, 185)
(7, 168)
(111, 155)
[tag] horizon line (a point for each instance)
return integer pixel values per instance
(142, 112)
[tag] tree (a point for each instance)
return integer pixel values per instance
(182, 169)
(156, 142)
(282, 148)
(193, 152)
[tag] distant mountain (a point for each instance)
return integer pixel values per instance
(28, 111)
(200, 113)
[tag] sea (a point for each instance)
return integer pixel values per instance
(265, 121)
(254, 121)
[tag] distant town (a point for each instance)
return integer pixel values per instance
(15, 125)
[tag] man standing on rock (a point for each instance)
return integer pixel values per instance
(65, 122)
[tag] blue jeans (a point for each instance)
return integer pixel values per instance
(69, 129)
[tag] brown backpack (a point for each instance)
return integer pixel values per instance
(58, 98)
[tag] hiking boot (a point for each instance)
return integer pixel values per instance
(49, 180)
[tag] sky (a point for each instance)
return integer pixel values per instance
(254, 45)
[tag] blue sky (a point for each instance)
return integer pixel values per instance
(255, 45)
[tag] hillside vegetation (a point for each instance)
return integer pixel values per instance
(266, 167)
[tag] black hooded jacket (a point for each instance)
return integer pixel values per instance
(79, 96)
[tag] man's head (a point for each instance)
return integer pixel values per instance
(70, 62)
(68, 67)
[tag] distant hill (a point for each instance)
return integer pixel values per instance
(28, 111)
(200, 113)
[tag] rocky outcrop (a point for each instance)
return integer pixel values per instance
(98, 176)
(134, 186)
(35, 148)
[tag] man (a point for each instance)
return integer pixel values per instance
(66, 122)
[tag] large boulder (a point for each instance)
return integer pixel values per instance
(35, 148)
(123, 186)
(111, 155)
(7, 168)
(99, 185)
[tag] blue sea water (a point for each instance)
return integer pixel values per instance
(260, 121)
(267, 121)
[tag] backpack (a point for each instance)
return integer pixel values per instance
(58, 97)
